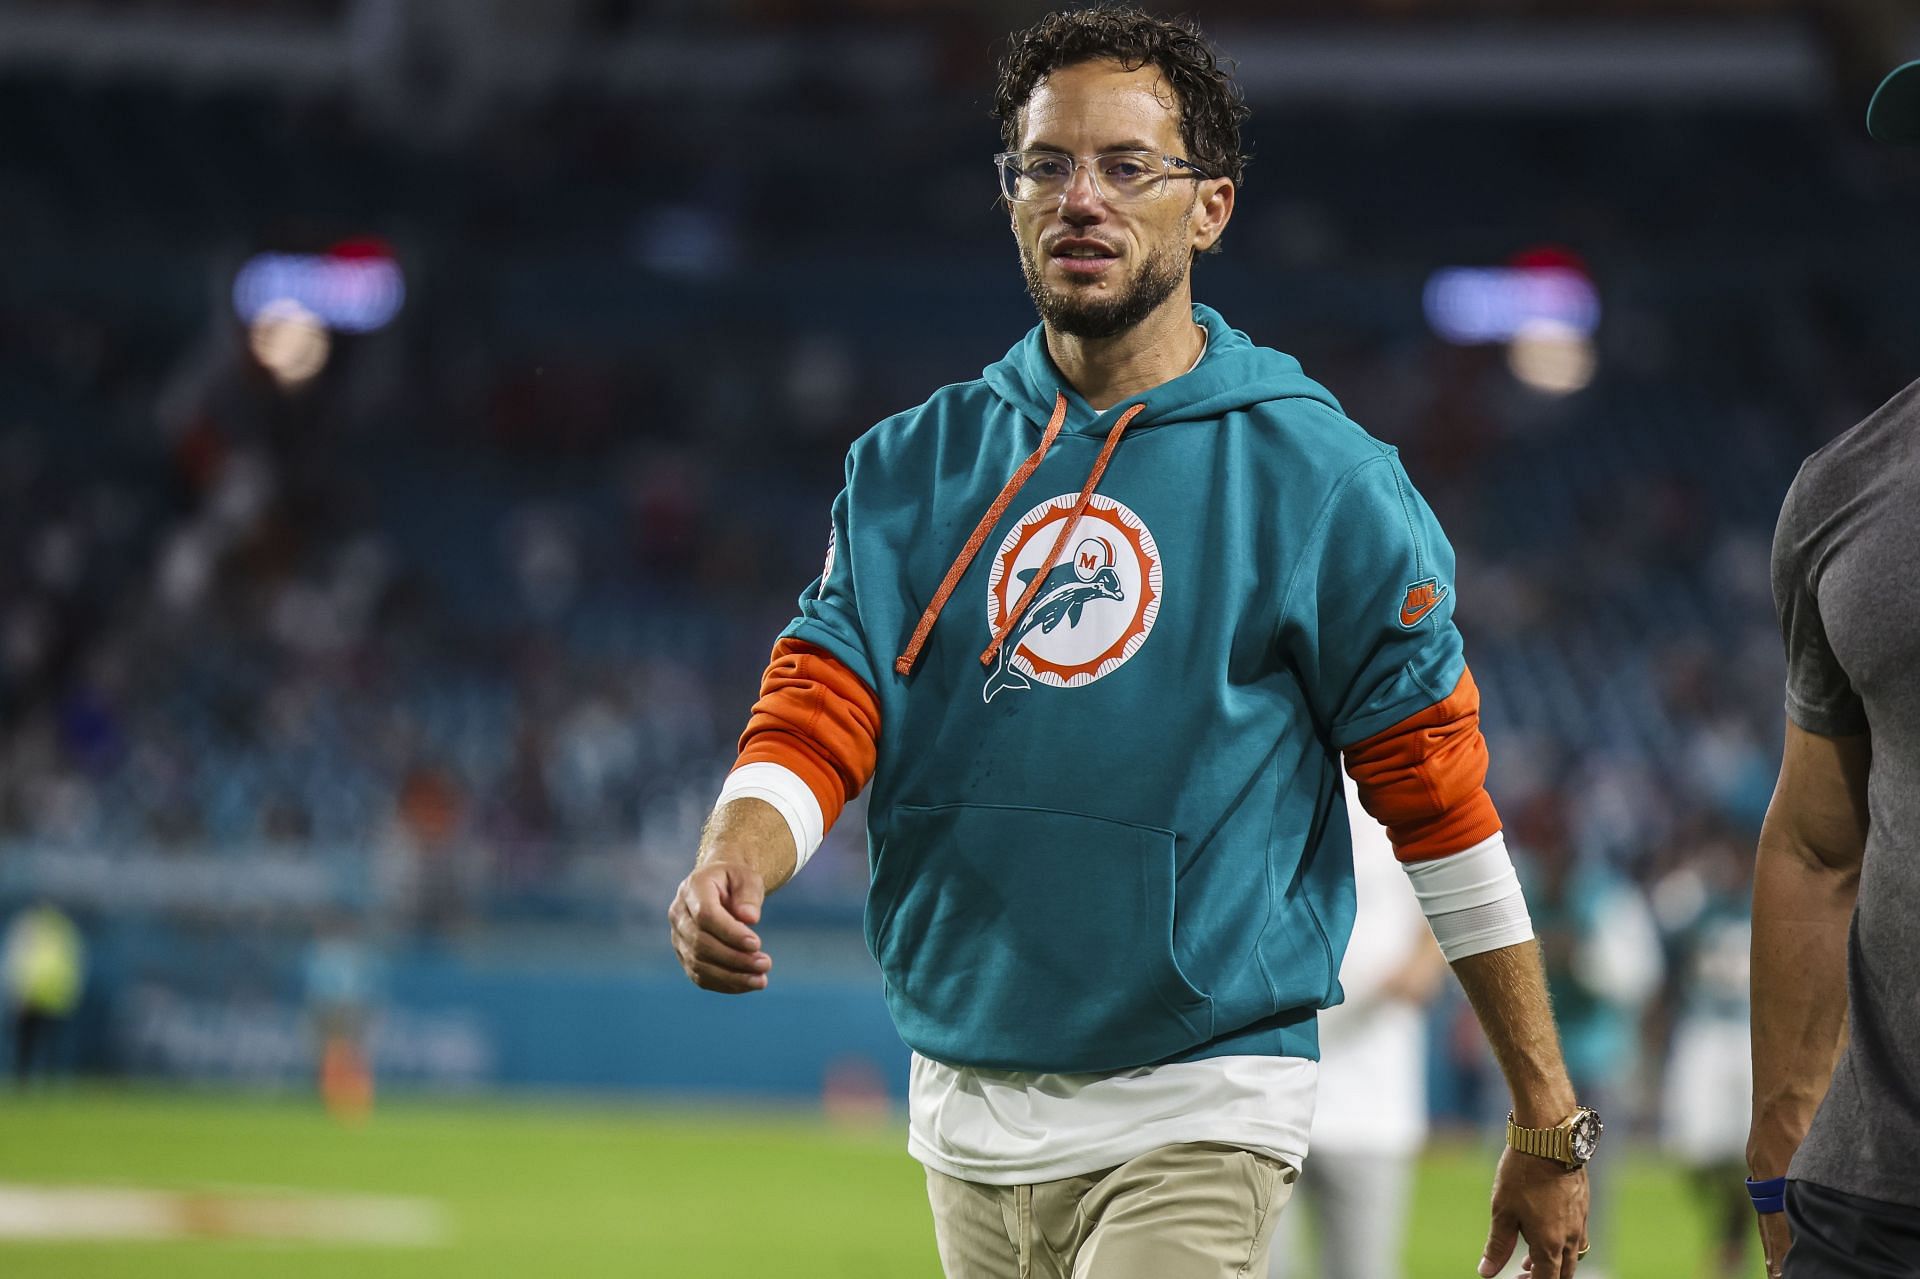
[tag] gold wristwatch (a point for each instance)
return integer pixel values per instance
(1572, 1141)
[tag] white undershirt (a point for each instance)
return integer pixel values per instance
(1206, 340)
(1009, 1128)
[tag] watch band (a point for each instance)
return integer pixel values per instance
(1554, 1143)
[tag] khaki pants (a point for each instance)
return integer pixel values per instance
(1196, 1211)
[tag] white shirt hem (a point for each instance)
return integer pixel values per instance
(1274, 1142)
(1010, 1128)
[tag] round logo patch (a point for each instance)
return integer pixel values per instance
(1094, 608)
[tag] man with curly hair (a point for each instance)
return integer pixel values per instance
(1099, 628)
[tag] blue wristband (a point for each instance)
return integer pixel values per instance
(1768, 1196)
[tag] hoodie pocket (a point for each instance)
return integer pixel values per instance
(1029, 939)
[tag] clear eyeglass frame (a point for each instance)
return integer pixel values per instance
(1119, 177)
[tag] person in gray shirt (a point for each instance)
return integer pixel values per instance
(1836, 901)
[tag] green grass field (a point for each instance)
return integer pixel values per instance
(531, 1189)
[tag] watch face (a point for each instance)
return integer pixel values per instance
(1586, 1135)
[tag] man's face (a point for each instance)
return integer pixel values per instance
(1145, 248)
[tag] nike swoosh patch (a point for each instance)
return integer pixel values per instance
(1422, 599)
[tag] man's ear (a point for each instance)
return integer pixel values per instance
(1212, 211)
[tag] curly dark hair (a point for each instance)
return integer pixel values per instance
(1211, 105)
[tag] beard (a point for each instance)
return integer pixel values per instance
(1078, 311)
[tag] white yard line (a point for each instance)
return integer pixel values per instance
(51, 1213)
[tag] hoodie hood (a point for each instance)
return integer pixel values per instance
(1233, 374)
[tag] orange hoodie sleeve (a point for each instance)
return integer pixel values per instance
(818, 719)
(1424, 779)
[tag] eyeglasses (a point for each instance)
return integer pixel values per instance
(1118, 176)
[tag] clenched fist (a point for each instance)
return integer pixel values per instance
(712, 919)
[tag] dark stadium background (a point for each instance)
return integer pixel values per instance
(437, 648)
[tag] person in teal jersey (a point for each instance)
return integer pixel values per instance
(1100, 627)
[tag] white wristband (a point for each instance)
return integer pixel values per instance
(1472, 899)
(791, 797)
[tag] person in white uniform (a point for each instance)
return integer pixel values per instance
(1370, 1118)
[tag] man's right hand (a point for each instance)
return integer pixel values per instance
(712, 921)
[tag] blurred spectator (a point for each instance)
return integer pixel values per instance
(44, 966)
(1703, 907)
(1602, 954)
(342, 988)
(434, 865)
(1370, 1116)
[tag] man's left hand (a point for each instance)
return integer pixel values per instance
(1544, 1202)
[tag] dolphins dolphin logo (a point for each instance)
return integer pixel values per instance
(1064, 595)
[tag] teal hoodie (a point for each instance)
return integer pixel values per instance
(1125, 842)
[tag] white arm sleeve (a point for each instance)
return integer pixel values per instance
(791, 797)
(1472, 899)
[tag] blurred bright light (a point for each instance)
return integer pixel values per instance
(1551, 357)
(356, 288)
(1467, 305)
(290, 342)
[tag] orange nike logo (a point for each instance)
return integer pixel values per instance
(1422, 598)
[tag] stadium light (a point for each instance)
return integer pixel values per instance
(357, 287)
(1472, 305)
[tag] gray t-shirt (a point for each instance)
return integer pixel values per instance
(1844, 562)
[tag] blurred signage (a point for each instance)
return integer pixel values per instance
(202, 883)
(1467, 305)
(356, 287)
(161, 1031)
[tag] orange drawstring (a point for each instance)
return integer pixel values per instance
(904, 663)
(1060, 543)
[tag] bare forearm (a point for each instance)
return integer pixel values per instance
(752, 833)
(1508, 991)
(1801, 910)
